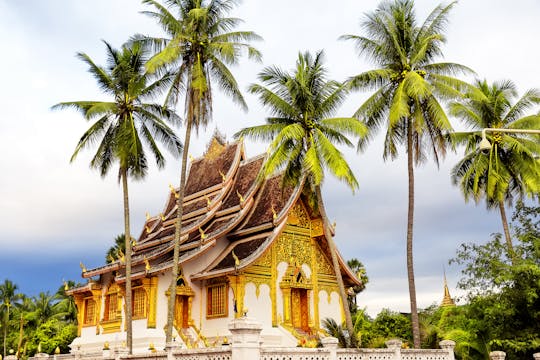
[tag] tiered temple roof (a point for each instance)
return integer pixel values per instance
(223, 198)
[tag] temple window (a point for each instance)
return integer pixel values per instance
(139, 303)
(89, 312)
(111, 306)
(216, 300)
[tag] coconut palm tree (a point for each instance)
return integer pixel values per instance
(201, 44)
(123, 124)
(117, 249)
(511, 169)
(302, 135)
(408, 86)
(8, 298)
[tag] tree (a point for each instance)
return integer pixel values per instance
(408, 86)
(360, 271)
(302, 136)
(8, 298)
(117, 250)
(503, 295)
(123, 125)
(200, 47)
(511, 169)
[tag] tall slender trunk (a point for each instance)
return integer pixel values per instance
(21, 334)
(337, 270)
(128, 308)
(177, 233)
(6, 320)
(507, 236)
(410, 223)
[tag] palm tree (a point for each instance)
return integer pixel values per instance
(200, 46)
(8, 298)
(117, 249)
(408, 86)
(123, 125)
(511, 169)
(302, 136)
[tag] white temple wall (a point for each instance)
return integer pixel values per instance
(164, 281)
(212, 327)
(260, 307)
(281, 269)
(330, 309)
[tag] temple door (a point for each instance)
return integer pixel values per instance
(182, 311)
(299, 309)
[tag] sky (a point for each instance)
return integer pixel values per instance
(55, 214)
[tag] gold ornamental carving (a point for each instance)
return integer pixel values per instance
(299, 216)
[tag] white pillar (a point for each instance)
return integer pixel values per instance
(246, 334)
(497, 355)
(448, 345)
(331, 343)
(395, 345)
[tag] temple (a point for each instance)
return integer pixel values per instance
(247, 246)
(447, 299)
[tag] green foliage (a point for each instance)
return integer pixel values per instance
(504, 297)
(117, 250)
(199, 47)
(49, 319)
(51, 334)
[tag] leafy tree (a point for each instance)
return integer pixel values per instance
(408, 87)
(504, 296)
(201, 44)
(117, 250)
(360, 271)
(512, 169)
(52, 334)
(123, 125)
(8, 298)
(302, 136)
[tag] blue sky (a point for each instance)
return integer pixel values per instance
(54, 214)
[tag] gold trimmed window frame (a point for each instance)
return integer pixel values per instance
(217, 300)
(89, 315)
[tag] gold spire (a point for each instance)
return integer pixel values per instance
(447, 299)
(147, 216)
(83, 268)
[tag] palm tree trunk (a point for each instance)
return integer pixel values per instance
(337, 270)
(507, 236)
(177, 233)
(410, 223)
(21, 333)
(5, 332)
(128, 307)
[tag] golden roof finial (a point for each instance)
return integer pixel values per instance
(121, 256)
(203, 235)
(236, 260)
(147, 266)
(66, 286)
(147, 229)
(222, 175)
(173, 191)
(240, 197)
(162, 216)
(83, 268)
(133, 242)
(191, 158)
(207, 200)
(147, 216)
(274, 215)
